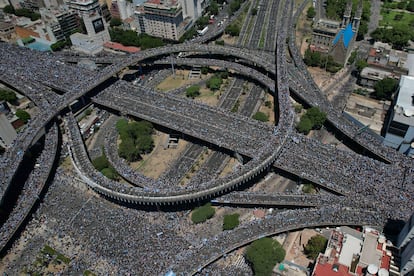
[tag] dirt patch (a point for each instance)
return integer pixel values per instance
(268, 110)
(229, 40)
(158, 161)
(320, 76)
(179, 80)
(208, 97)
(294, 246)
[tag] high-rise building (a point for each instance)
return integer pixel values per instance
(162, 19)
(60, 23)
(122, 9)
(405, 243)
(399, 132)
(95, 25)
(7, 132)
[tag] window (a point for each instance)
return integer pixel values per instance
(398, 129)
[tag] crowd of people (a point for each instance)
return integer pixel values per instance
(130, 193)
(194, 260)
(282, 199)
(214, 125)
(32, 187)
(307, 89)
(365, 178)
(120, 164)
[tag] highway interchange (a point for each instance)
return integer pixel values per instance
(356, 180)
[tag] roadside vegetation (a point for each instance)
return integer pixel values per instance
(264, 254)
(203, 213)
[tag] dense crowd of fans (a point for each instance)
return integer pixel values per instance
(368, 180)
(32, 187)
(194, 260)
(214, 125)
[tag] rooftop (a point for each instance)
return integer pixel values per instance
(341, 256)
(405, 100)
(346, 34)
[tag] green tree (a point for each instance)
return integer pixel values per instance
(308, 189)
(352, 58)
(385, 88)
(204, 70)
(9, 9)
(192, 32)
(304, 125)
(360, 64)
(234, 6)
(58, 45)
(312, 58)
(219, 42)
(214, 83)
(145, 143)
(230, 221)
(254, 11)
(213, 8)
(192, 91)
(398, 36)
(100, 162)
(8, 96)
(264, 254)
(315, 245)
(316, 116)
(131, 38)
(27, 13)
(128, 150)
(298, 108)
(260, 116)
(203, 213)
(23, 115)
(233, 30)
(115, 22)
(110, 173)
(202, 22)
(311, 12)
(224, 74)
(410, 6)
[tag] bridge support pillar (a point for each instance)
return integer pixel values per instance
(239, 157)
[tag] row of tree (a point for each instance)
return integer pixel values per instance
(8, 96)
(22, 12)
(136, 139)
(131, 38)
(398, 36)
(314, 58)
(205, 212)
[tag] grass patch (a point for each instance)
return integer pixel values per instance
(203, 213)
(171, 83)
(395, 18)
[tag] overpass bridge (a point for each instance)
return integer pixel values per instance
(216, 126)
(194, 260)
(274, 200)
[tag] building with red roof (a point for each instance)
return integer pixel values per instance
(350, 252)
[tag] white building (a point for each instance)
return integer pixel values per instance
(164, 19)
(96, 26)
(405, 244)
(400, 129)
